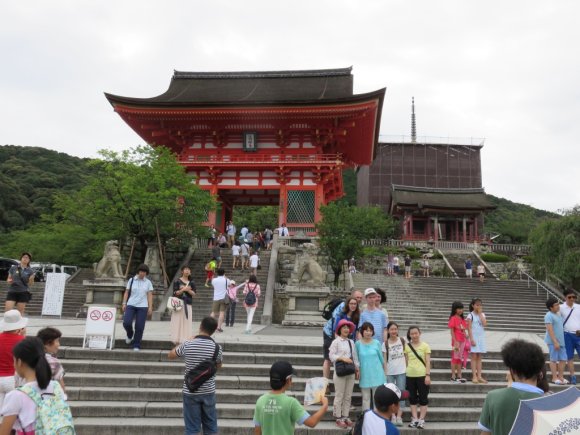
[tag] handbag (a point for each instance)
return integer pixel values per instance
(174, 304)
(342, 368)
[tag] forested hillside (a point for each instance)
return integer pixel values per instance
(29, 177)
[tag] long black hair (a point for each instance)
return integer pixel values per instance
(31, 352)
(454, 307)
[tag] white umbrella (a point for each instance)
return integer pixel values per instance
(554, 414)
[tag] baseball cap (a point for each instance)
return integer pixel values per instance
(389, 394)
(281, 370)
(370, 291)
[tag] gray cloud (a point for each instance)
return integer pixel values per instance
(501, 70)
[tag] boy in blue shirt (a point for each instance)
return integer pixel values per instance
(555, 340)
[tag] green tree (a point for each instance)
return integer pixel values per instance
(257, 218)
(134, 193)
(56, 242)
(343, 227)
(556, 248)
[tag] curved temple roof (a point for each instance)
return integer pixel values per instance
(250, 87)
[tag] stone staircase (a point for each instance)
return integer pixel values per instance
(203, 300)
(426, 302)
(74, 297)
(124, 392)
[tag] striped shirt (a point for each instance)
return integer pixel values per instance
(195, 351)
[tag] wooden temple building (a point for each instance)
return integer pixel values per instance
(262, 138)
(432, 185)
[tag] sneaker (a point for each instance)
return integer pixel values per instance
(136, 349)
(573, 379)
(420, 424)
(414, 423)
(462, 380)
(348, 422)
(128, 340)
(399, 422)
(340, 423)
(454, 380)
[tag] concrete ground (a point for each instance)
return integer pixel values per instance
(159, 330)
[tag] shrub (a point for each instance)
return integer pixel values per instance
(495, 258)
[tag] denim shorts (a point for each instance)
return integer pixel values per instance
(401, 382)
(199, 411)
(557, 355)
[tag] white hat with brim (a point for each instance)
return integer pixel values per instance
(12, 321)
(370, 291)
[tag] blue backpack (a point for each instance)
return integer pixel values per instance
(53, 416)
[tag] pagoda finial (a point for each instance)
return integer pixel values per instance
(413, 124)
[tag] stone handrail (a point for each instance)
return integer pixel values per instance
(484, 264)
(443, 244)
(540, 285)
(270, 285)
(448, 264)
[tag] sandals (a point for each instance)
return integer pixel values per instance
(482, 381)
(475, 381)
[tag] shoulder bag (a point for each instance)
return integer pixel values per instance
(342, 368)
(416, 354)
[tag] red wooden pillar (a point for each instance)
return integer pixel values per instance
(211, 216)
(475, 230)
(464, 229)
(411, 226)
(283, 205)
(318, 201)
(428, 227)
(436, 228)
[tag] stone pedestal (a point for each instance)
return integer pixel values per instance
(305, 305)
(153, 260)
(106, 291)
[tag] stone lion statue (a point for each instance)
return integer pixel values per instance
(308, 271)
(110, 265)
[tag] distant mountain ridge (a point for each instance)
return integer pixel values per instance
(29, 177)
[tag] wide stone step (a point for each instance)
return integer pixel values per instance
(174, 426)
(95, 408)
(246, 396)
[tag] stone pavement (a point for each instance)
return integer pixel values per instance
(159, 331)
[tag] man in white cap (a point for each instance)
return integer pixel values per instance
(374, 315)
(13, 327)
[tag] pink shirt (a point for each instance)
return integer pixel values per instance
(256, 289)
(459, 326)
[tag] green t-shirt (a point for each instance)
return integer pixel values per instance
(501, 407)
(277, 414)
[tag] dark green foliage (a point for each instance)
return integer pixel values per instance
(556, 248)
(136, 193)
(29, 178)
(492, 257)
(343, 227)
(349, 185)
(256, 217)
(513, 221)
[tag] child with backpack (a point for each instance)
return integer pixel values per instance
(251, 296)
(394, 356)
(40, 405)
(379, 420)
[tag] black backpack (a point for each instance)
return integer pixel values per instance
(330, 307)
(250, 298)
(198, 375)
(358, 425)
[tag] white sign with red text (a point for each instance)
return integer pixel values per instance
(100, 327)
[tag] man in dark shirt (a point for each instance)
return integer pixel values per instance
(199, 407)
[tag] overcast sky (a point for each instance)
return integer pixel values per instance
(505, 70)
